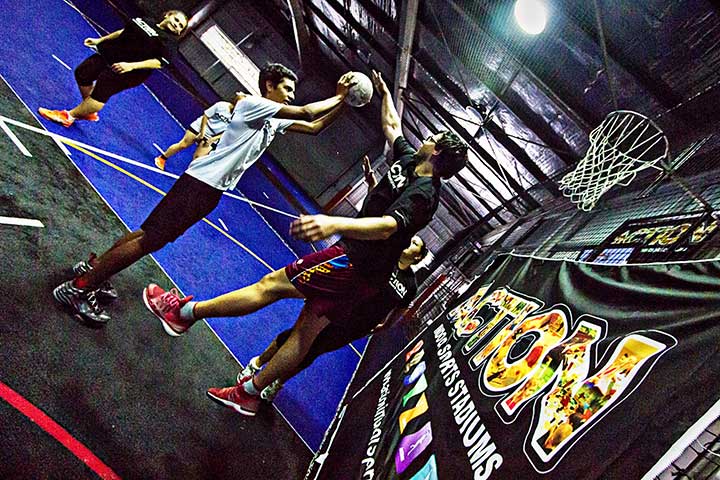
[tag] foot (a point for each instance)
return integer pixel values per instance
(236, 398)
(249, 370)
(92, 117)
(166, 307)
(106, 293)
(160, 162)
(58, 116)
(82, 302)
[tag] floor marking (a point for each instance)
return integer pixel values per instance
(156, 189)
(266, 196)
(51, 427)
(14, 139)
(60, 139)
(158, 148)
(223, 224)
(62, 63)
(24, 222)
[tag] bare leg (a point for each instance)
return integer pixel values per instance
(187, 140)
(284, 363)
(126, 238)
(271, 288)
(86, 107)
(126, 251)
(269, 352)
(86, 91)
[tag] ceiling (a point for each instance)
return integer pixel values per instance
(525, 104)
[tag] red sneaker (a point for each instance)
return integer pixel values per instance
(166, 307)
(91, 117)
(236, 398)
(58, 116)
(160, 162)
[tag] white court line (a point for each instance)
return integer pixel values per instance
(62, 63)
(223, 224)
(23, 222)
(14, 139)
(60, 138)
(158, 148)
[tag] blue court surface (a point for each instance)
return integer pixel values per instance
(237, 246)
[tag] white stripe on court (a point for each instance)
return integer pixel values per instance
(158, 148)
(23, 222)
(14, 139)
(62, 63)
(223, 224)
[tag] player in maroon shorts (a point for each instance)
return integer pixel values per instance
(336, 280)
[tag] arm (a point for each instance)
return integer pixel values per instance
(318, 125)
(312, 110)
(203, 125)
(391, 125)
(311, 228)
(92, 42)
(124, 67)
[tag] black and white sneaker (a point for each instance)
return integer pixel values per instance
(106, 293)
(269, 393)
(82, 303)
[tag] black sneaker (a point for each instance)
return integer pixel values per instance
(106, 293)
(83, 304)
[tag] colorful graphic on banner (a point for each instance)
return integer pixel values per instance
(542, 368)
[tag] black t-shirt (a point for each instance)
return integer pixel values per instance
(396, 292)
(140, 40)
(410, 199)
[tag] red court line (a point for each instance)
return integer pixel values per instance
(59, 433)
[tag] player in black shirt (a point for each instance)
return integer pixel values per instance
(124, 60)
(378, 313)
(336, 280)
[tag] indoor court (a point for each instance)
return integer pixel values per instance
(565, 323)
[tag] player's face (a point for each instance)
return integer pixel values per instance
(414, 249)
(175, 23)
(428, 146)
(284, 92)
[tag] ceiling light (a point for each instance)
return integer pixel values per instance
(531, 15)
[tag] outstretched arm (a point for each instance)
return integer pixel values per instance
(369, 173)
(317, 125)
(390, 319)
(391, 125)
(92, 42)
(311, 228)
(313, 110)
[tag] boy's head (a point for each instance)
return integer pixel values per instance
(174, 21)
(415, 252)
(277, 83)
(447, 153)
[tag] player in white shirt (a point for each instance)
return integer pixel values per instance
(204, 131)
(253, 125)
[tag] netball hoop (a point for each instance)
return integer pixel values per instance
(624, 144)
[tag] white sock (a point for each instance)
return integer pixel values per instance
(186, 311)
(249, 387)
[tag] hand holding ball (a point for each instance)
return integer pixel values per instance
(360, 93)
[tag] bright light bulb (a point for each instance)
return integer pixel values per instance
(531, 15)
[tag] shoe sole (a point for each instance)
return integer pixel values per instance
(229, 404)
(59, 122)
(168, 329)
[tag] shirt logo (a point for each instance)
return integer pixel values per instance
(145, 27)
(397, 285)
(397, 177)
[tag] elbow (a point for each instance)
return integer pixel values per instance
(307, 114)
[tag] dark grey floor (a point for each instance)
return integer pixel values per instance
(133, 395)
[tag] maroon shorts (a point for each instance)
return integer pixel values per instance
(330, 283)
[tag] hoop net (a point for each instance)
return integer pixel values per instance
(621, 146)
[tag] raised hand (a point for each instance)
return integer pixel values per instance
(344, 84)
(311, 228)
(91, 42)
(379, 83)
(122, 67)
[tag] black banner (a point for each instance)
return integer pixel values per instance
(543, 369)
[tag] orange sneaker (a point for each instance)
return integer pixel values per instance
(92, 117)
(58, 116)
(160, 162)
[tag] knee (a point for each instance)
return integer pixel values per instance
(150, 242)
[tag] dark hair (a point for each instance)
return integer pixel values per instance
(423, 252)
(453, 155)
(274, 73)
(178, 12)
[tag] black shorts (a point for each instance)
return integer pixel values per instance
(187, 202)
(95, 69)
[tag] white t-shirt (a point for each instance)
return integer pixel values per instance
(218, 119)
(251, 129)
